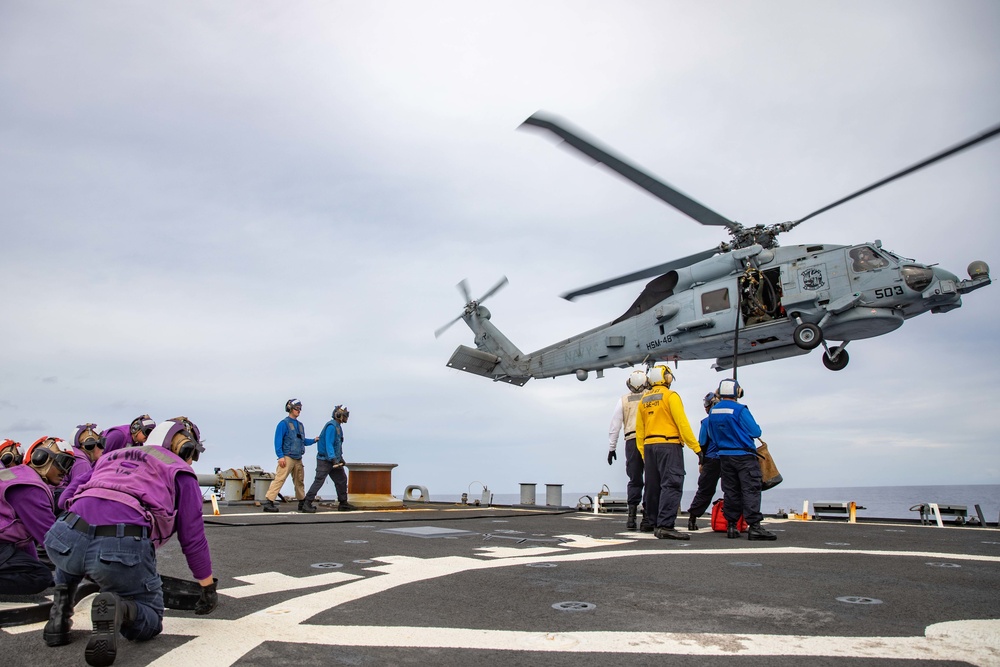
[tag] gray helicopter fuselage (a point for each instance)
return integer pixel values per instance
(849, 292)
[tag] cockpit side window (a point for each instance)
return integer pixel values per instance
(866, 258)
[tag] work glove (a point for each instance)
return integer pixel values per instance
(208, 599)
(701, 457)
(612, 455)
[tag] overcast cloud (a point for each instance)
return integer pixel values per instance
(207, 209)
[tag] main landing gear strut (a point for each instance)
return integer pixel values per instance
(809, 336)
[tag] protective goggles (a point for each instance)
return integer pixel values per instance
(63, 462)
(7, 458)
(90, 444)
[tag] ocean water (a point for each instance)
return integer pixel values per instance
(883, 502)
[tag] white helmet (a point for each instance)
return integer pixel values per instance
(660, 375)
(637, 381)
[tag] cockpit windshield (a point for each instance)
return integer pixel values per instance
(866, 258)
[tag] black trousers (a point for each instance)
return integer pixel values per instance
(741, 488)
(634, 470)
(708, 482)
(325, 469)
(20, 574)
(664, 467)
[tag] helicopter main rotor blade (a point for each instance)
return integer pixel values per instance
(639, 275)
(969, 143)
(647, 182)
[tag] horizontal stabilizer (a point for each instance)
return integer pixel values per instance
(477, 362)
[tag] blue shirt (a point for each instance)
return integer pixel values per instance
(732, 428)
(331, 442)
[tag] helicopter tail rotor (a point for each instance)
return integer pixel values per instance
(471, 305)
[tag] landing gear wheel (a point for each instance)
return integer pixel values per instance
(837, 363)
(807, 336)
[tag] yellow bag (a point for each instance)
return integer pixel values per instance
(770, 477)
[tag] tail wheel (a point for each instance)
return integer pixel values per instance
(836, 359)
(807, 336)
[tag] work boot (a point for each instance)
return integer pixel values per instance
(692, 522)
(307, 507)
(630, 522)
(56, 632)
(733, 533)
(268, 505)
(756, 532)
(344, 506)
(669, 534)
(108, 613)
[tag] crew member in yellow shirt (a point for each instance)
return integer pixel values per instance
(661, 431)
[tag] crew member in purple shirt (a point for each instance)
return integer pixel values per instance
(136, 499)
(26, 514)
(87, 448)
(128, 435)
(10, 454)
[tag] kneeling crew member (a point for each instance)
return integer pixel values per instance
(732, 428)
(26, 514)
(660, 428)
(87, 448)
(143, 494)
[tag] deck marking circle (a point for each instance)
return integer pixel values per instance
(856, 599)
(943, 564)
(327, 566)
(574, 606)
(541, 565)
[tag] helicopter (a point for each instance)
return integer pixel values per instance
(745, 301)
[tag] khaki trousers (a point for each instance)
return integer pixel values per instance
(294, 468)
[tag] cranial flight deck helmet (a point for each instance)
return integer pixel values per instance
(637, 381)
(710, 399)
(293, 404)
(341, 413)
(660, 375)
(87, 437)
(730, 388)
(179, 435)
(10, 453)
(48, 459)
(142, 424)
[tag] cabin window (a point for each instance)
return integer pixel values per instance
(866, 258)
(714, 301)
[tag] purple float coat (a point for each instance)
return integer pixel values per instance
(117, 437)
(76, 477)
(159, 483)
(25, 508)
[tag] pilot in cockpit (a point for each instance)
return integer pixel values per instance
(866, 259)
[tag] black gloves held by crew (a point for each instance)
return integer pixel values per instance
(612, 455)
(701, 456)
(207, 600)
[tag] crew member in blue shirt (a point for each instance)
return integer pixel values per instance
(709, 471)
(330, 461)
(289, 445)
(732, 429)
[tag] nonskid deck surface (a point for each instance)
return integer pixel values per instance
(500, 586)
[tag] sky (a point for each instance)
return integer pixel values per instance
(209, 208)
